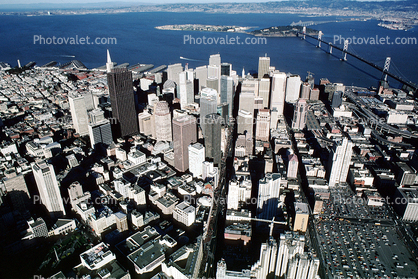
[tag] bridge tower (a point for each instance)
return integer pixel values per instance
(386, 68)
(319, 38)
(345, 50)
(304, 32)
(330, 48)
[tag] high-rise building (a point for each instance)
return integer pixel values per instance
(250, 86)
(268, 195)
(305, 91)
(299, 115)
(213, 82)
(245, 122)
(146, 123)
(263, 125)
(79, 113)
(227, 92)
(337, 99)
(184, 133)
(246, 102)
(263, 66)
(48, 188)
(293, 88)
(109, 63)
(226, 69)
(201, 75)
(196, 158)
(215, 59)
(212, 135)
(278, 92)
(264, 91)
(122, 99)
(208, 105)
(173, 72)
(18, 192)
(339, 161)
(100, 132)
(96, 115)
(292, 166)
(162, 121)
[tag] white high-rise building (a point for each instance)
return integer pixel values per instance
(268, 195)
(292, 167)
(196, 159)
(299, 115)
(48, 187)
(293, 88)
(79, 114)
(208, 105)
(339, 161)
(173, 72)
(201, 74)
(278, 92)
(185, 213)
(215, 59)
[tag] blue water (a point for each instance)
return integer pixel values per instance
(139, 42)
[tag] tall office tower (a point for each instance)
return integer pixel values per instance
(238, 191)
(339, 161)
(226, 69)
(215, 59)
(265, 266)
(88, 99)
(79, 114)
(48, 188)
(208, 105)
(264, 91)
(268, 195)
(305, 91)
(162, 121)
(292, 166)
(196, 158)
(263, 66)
(146, 123)
(96, 115)
(227, 92)
(291, 245)
(184, 134)
(244, 146)
(223, 110)
(250, 86)
(183, 89)
(122, 100)
(262, 131)
(278, 92)
(337, 99)
(212, 135)
(201, 75)
(246, 102)
(293, 88)
(299, 115)
(245, 122)
(314, 94)
(109, 63)
(274, 118)
(173, 72)
(100, 132)
(212, 82)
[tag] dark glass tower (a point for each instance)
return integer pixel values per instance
(212, 136)
(122, 99)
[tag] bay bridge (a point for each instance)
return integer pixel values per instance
(344, 51)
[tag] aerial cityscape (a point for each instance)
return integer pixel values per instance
(204, 168)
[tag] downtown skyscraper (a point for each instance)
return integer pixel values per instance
(212, 135)
(122, 99)
(184, 134)
(48, 188)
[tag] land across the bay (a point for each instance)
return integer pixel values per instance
(274, 31)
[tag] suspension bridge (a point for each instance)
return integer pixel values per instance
(344, 51)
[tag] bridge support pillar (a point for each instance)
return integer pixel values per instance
(304, 32)
(330, 48)
(319, 38)
(345, 50)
